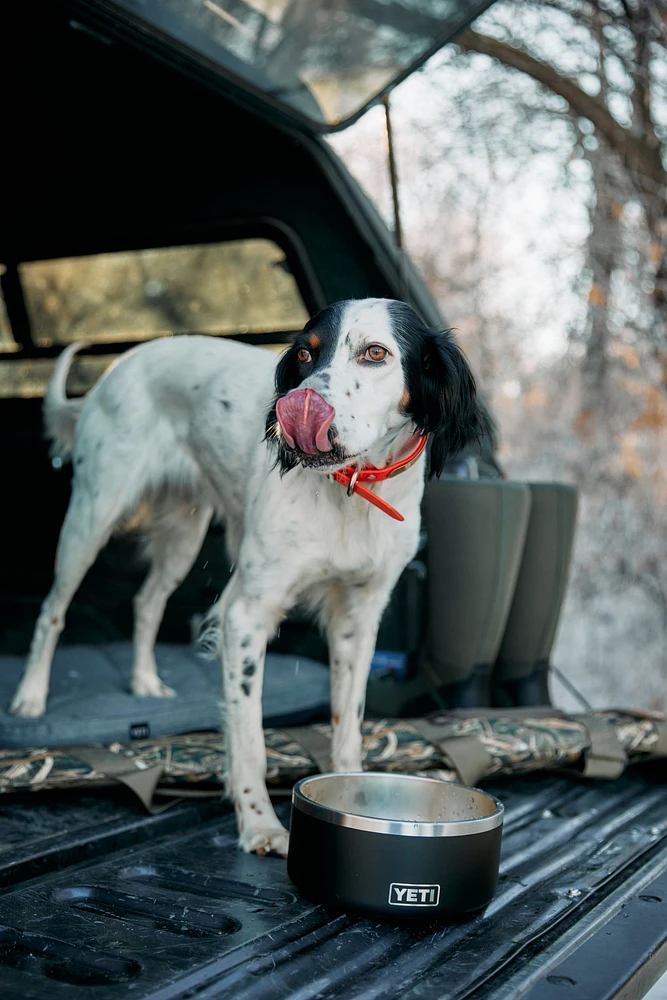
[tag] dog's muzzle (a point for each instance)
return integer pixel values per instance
(305, 418)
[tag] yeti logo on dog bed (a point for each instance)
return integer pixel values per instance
(140, 731)
(411, 894)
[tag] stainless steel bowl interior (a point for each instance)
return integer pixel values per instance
(398, 803)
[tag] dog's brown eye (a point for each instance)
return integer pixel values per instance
(303, 355)
(376, 353)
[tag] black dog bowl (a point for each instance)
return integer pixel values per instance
(393, 845)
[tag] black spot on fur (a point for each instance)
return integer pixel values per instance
(246, 688)
(347, 636)
(443, 395)
(245, 641)
(79, 460)
(195, 387)
(249, 667)
(357, 384)
(227, 405)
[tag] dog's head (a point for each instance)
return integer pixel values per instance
(359, 373)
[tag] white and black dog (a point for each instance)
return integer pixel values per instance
(288, 455)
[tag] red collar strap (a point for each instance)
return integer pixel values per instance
(352, 478)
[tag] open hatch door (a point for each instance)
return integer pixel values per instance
(319, 62)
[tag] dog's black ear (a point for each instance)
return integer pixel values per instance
(443, 398)
(288, 374)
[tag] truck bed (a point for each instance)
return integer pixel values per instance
(101, 901)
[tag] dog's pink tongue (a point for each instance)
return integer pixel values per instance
(305, 418)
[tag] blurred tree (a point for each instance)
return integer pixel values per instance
(624, 100)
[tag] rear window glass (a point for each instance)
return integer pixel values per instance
(29, 378)
(244, 286)
(235, 287)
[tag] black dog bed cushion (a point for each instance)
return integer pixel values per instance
(90, 699)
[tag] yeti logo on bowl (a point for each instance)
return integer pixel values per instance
(411, 894)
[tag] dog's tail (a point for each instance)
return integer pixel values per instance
(60, 413)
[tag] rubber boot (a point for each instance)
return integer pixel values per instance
(520, 675)
(476, 532)
(475, 535)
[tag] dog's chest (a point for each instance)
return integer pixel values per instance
(350, 539)
(304, 530)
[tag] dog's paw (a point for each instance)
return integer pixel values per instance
(151, 687)
(28, 704)
(265, 840)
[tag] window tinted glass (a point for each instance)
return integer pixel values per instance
(243, 286)
(29, 378)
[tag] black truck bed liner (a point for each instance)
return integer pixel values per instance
(101, 901)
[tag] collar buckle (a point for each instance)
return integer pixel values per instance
(352, 478)
(353, 482)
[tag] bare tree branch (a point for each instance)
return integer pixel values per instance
(644, 161)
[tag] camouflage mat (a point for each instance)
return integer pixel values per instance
(450, 747)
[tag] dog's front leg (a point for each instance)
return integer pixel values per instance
(352, 625)
(247, 624)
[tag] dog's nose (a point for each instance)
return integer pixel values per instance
(305, 418)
